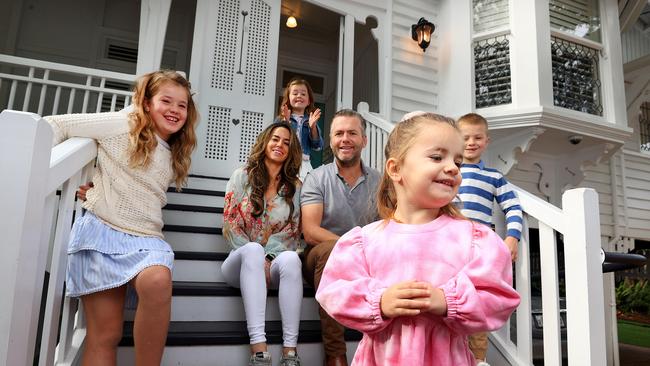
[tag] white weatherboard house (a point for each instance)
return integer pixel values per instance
(565, 85)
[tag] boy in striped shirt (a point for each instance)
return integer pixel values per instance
(480, 187)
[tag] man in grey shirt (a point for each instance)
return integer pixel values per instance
(335, 198)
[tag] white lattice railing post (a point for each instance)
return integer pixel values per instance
(584, 278)
(25, 147)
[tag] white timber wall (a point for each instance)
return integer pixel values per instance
(414, 73)
(635, 44)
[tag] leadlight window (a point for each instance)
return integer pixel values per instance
(491, 53)
(576, 77)
(492, 72)
(644, 127)
(580, 18)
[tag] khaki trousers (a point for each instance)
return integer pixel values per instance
(478, 344)
(314, 260)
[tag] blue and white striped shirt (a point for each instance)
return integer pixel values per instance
(478, 190)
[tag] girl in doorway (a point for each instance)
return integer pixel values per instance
(261, 223)
(297, 109)
(119, 240)
(422, 279)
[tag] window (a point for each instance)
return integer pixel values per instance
(491, 53)
(576, 81)
(579, 18)
(575, 54)
(644, 127)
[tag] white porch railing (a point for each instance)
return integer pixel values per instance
(48, 88)
(35, 220)
(579, 223)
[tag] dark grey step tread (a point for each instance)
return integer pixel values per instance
(202, 192)
(193, 229)
(191, 288)
(193, 208)
(232, 333)
(200, 256)
(209, 177)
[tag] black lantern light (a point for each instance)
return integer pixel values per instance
(421, 33)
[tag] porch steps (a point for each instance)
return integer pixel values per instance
(208, 324)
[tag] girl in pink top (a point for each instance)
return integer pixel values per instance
(422, 279)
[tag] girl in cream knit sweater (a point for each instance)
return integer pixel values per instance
(119, 240)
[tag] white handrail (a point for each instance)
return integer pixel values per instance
(31, 207)
(13, 60)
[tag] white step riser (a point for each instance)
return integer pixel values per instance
(230, 308)
(207, 184)
(197, 271)
(194, 199)
(201, 219)
(198, 308)
(193, 242)
(311, 354)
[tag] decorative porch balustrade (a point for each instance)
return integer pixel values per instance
(48, 88)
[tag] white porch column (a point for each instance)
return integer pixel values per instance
(346, 62)
(611, 66)
(584, 279)
(153, 26)
(530, 54)
(456, 58)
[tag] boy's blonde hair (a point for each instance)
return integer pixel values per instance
(142, 136)
(399, 141)
(473, 119)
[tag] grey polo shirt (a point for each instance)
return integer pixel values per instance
(344, 207)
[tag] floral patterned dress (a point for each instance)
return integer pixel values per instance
(273, 229)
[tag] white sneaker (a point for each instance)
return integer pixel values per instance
(482, 363)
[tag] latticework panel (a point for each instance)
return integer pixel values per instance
(257, 50)
(225, 44)
(216, 144)
(576, 78)
(492, 72)
(251, 126)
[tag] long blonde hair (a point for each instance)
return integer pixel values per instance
(142, 138)
(399, 141)
(258, 175)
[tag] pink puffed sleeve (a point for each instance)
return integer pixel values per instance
(480, 297)
(346, 290)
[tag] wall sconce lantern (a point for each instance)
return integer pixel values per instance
(291, 22)
(421, 33)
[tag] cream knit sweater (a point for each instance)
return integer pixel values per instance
(128, 199)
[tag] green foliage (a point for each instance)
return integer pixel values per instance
(633, 296)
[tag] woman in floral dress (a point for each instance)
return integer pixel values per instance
(261, 225)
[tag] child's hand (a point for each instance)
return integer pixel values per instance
(436, 302)
(512, 244)
(404, 299)
(314, 117)
(285, 113)
(81, 193)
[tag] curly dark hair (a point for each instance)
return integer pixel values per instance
(258, 175)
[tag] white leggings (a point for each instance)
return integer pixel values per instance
(244, 268)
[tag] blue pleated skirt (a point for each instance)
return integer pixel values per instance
(101, 258)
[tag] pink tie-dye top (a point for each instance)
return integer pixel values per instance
(469, 262)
